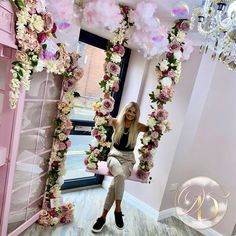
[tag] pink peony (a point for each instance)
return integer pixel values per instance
(68, 143)
(113, 68)
(174, 46)
(166, 94)
(125, 9)
(154, 135)
(141, 174)
(95, 131)
(48, 22)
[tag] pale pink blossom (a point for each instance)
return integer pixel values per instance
(113, 68)
(62, 146)
(166, 94)
(119, 49)
(160, 114)
(107, 105)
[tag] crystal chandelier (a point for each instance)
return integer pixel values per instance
(217, 23)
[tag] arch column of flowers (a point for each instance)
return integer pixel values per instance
(34, 29)
(168, 74)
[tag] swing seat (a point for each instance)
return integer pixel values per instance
(103, 170)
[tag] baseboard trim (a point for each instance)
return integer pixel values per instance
(142, 206)
(171, 212)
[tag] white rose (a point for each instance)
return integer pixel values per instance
(151, 122)
(178, 55)
(180, 36)
(164, 65)
(166, 81)
(146, 140)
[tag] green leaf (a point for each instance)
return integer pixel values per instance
(44, 46)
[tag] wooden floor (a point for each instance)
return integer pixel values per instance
(88, 206)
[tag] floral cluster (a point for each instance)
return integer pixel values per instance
(36, 51)
(109, 84)
(168, 74)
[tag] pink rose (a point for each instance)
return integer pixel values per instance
(54, 28)
(125, 9)
(94, 131)
(171, 73)
(161, 114)
(115, 87)
(166, 94)
(174, 46)
(113, 68)
(107, 105)
(119, 49)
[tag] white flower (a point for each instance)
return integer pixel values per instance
(51, 66)
(151, 122)
(36, 23)
(100, 121)
(39, 66)
(164, 65)
(178, 55)
(116, 58)
(180, 36)
(166, 81)
(146, 140)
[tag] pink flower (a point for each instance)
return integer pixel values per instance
(125, 9)
(54, 28)
(107, 105)
(62, 146)
(115, 87)
(154, 135)
(166, 94)
(119, 49)
(185, 26)
(174, 46)
(106, 77)
(161, 114)
(113, 68)
(171, 73)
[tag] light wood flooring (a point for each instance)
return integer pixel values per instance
(88, 206)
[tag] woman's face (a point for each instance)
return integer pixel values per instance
(130, 114)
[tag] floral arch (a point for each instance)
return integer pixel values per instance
(37, 51)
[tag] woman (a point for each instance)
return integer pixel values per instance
(121, 160)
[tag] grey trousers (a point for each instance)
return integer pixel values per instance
(120, 164)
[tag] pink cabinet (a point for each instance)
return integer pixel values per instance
(7, 50)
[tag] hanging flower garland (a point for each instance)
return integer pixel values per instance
(168, 74)
(36, 51)
(109, 84)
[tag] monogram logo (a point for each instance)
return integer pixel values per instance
(201, 202)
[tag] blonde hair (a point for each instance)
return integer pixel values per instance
(120, 126)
